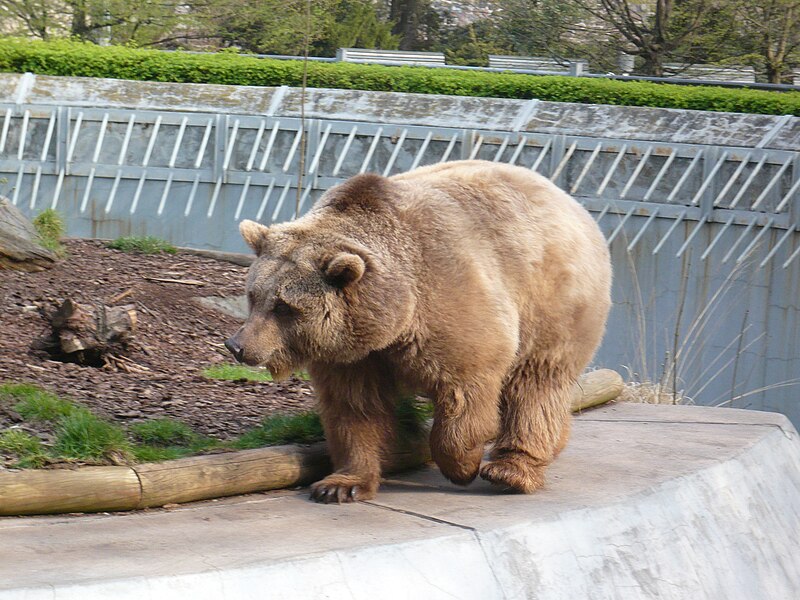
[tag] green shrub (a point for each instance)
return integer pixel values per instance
(87, 60)
(142, 245)
(50, 227)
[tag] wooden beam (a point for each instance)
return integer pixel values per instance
(83, 489)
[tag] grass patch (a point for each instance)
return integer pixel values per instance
(84, 436)
(27, 448)
(412, 414)
(306, 428)
(231, 372)
(18, 442)
(167, 439)
(80, 435)
(50, 227)
(236, 373)
(146, 454)
(163, 432)
(276, 430)
(35, 404)
(142, 245)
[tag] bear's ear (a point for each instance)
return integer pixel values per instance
(344, 269)
(255, 234)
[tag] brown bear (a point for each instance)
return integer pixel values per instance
(480, 285)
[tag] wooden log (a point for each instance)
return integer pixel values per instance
(244, 260)
(595, 388)
(230, 474)
(20, 249)
(234, 473)
(84, 489)
(92, 489)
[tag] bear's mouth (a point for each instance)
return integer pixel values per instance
(279, 373)
(279, 365)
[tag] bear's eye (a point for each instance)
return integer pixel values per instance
(282, 309)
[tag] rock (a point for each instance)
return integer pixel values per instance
(235, 306)
(20, 249)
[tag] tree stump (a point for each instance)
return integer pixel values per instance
(20, 249)
(91, 335)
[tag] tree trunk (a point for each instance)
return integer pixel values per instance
(90, 335)
(80, 28)
(404, 13)
(774, 71)
(653, 63)
(20, 249)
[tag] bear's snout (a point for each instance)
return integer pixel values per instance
(235, 348)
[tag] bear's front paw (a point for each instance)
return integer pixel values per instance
(460, 468)
(516, 472)
(340, 488)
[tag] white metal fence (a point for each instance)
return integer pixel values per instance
(704, 236)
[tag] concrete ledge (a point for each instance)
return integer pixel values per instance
(428, 110)
(646, 502)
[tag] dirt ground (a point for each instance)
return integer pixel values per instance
(175, 339)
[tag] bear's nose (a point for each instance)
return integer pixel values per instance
(235, 349)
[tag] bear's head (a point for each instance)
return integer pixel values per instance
(317, 295)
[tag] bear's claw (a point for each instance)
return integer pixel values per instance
(339, 489)
(338, 495)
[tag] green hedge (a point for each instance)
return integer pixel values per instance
(87, 60)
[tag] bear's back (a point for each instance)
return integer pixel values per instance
(511, 232)
(510, 212)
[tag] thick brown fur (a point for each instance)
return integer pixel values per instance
(481, 285)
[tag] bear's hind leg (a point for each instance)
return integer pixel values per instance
(357, 413)
(534, 427)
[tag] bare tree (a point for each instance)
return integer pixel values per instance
(772, 28)
(123, 21)
(652, 30)
(35, 17)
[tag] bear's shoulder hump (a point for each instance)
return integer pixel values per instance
(367, 192)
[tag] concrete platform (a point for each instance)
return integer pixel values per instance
(646, 502)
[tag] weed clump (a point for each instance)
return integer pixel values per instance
(50, 227)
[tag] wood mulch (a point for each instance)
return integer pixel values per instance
(175, 339)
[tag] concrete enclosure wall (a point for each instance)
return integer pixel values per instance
(701, 210)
